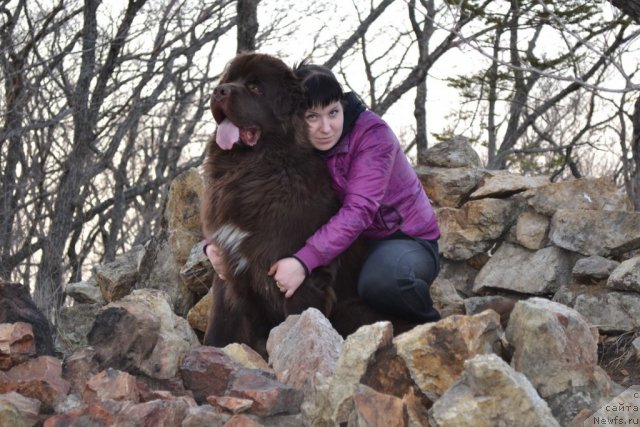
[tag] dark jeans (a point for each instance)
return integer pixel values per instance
(396, 277)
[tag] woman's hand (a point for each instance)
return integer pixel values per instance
(288, 274)
(215, 257)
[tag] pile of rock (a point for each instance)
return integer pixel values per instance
(554, 262)
(509, 237)
(145, 366)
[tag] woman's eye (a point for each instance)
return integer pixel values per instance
(254, 88)
(311, 117)
(333, 113)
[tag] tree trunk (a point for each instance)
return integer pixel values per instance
(48, 294)
(634, 194)
(247, 22)
(420, 114)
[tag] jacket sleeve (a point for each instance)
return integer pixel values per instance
(367, 181)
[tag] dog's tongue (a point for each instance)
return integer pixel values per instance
(227, 134)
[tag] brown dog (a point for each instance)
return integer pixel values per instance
(267, 191)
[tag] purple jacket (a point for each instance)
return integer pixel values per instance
(379, 191)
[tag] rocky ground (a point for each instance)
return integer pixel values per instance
(539, 291)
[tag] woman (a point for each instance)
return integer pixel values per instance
(381, 198)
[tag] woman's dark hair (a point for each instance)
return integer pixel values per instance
(320, 84)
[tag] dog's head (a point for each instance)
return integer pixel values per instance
(258, 94)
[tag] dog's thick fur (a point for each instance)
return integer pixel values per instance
(262, 201)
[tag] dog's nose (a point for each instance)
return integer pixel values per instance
(221, 92)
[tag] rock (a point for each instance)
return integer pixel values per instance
(581, 194)
(235, 405)
(242, 421)
(197, 272)
(448, 187)
(98, 414)
(198, 315)
(371, 408)
(169, 413)
(459, 274)
(18, 411)
(593, 269)
(505, 185)
(454, 153)
(269, 396)
(515, 268)
(474, 228)
(445, 297)
(207, 371)
(416, 411)
(502, 305)
(435, 352)
(531, 230)
(87, 292)
(78, 367)
(330, 401)
(140, 333)
(610, 311)
(118, 277)
(388, 374)
(39, 378)
(302, 346)
(490, 393)
(71, 402)
(73, 326)
(205, 415)
(17, 344)
(604, 233)
(183, 214)
(111, 384)
(160, 270)
(556, 348)
(16, 305)
(246, 356)
(626, 277)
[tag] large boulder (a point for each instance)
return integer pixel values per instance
(491, 393)
(330, 401)
(307, 342)
(590, 232)
(435, 352)
(140, 333)
(598, 194)
(73, 326)
(514, 268)
(474, 228)
(556, 348)
(501, 185)
(118, 277)
(17, 344)
(456, 152)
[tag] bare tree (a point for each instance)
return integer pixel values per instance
(101, 122)
(531, 82)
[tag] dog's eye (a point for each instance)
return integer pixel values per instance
(254, 88)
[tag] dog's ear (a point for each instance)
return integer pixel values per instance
(289, 101)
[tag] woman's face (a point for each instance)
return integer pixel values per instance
(325, 125)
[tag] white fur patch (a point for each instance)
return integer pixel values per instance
(228, 238)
